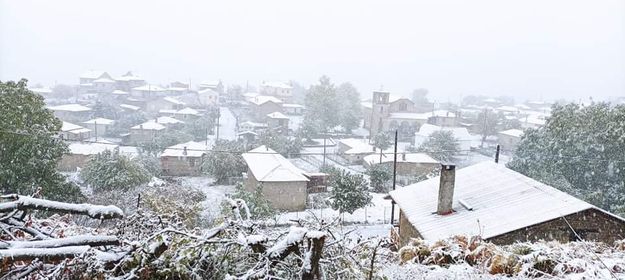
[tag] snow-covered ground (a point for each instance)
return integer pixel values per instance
(215, 194)
(227, 124)
(378, 213)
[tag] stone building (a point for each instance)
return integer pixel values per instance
(278, 122)
(72, 132)
(280, 90)
(389, 112)
(80, 153)
(509, 139)
(408, 164)
(71, 112)
(262, 105)
(99, 126)
(283, 184)
(183, 159)
(146, 132)
(499, 204)
(355, 150)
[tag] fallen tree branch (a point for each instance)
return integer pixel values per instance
(93, 211)
(79, 240)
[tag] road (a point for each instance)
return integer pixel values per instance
(227, 124)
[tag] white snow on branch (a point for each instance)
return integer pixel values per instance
(296, 234)
(93, 211)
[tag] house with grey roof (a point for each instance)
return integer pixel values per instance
(500, 205)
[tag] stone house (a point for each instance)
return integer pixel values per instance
(280, 90)
(283, 184)
(354, 150)
(262, 105)
(252, 126)
(183, 159)
(278, 122)
(146, 132)
(148, 91)
(213, 85)
(99, 126)
(163, 103)
(71, 112)
(500, 205)
(408, 164)
(509, 139)
(80, 153)
(129, 81)
(87, 78)
(208, 97)
(72, 132)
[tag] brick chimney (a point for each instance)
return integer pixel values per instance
(184, 150)
(446, 189)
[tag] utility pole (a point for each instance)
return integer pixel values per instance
(394, 179)
(218, 117)
(95, 128)
(497, 154)
(324, 149)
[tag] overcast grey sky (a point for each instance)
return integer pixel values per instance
(533, 49)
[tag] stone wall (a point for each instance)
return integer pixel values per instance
(290, 196)
(591, 225)
(406, 230)
(180, 166)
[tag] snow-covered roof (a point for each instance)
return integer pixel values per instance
(188, 111)
(268, 166)
(512, 132)
(427, 129)
(89, 148)
(250, 94)
(150, 88)
(208, 91)
(366, 104)
(501, 200)
(193, 149)
(253, 124)
(168, 120)
(149, 125)
(442, 113)
(534, 119)
(104, 81)
(70, 108)
(277, 85)
(290, 105)
(92, 74)
(393, 98)
(507, 109)
(357, 146)
(177, 89)
(173, 100)
(129, 76)
(74, 129)
(409, 116)
(119, 92)
(409, 157)
(262, 99)
(100, 121)
(277, 115)
(129, 107)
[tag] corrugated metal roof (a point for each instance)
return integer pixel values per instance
(502, 201)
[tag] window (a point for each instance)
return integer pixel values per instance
(403, 107)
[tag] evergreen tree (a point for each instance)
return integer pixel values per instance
(29, 149)
(379, 176)
(112, 171)
(441, 145)
(259, 206)
(349, 108)
(486, 124)
(580, 150)
(349, 193)
(225, 163)
(321, 106)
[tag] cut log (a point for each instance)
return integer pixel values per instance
(93, 211)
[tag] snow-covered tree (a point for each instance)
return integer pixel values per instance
(379, 176)
(382, 141)
(486, 124)
(286, 146)
(350, 192)
(441, 145)
(579, 150)
(349, 107)
(259, 206)
(225, 161)
(29, 148)
(321, 106)
(111, 171)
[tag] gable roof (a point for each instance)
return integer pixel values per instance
(150, 88)
(410, 158)
(87, 148)
(130, 107)
(74, 129)
(512, 132)
(149, 125)
(93, 74)
(194, 149)
(70, 108)
(268, 166)
(173, 100)
(501, 199)
(357, 146)
(262, 99)
(277, 115)
(100, 121)
(167, 120)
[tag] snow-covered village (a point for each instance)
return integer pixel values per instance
(290, 140)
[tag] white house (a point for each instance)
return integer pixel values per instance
(282, 91)
(70, 131)
(99, 126)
